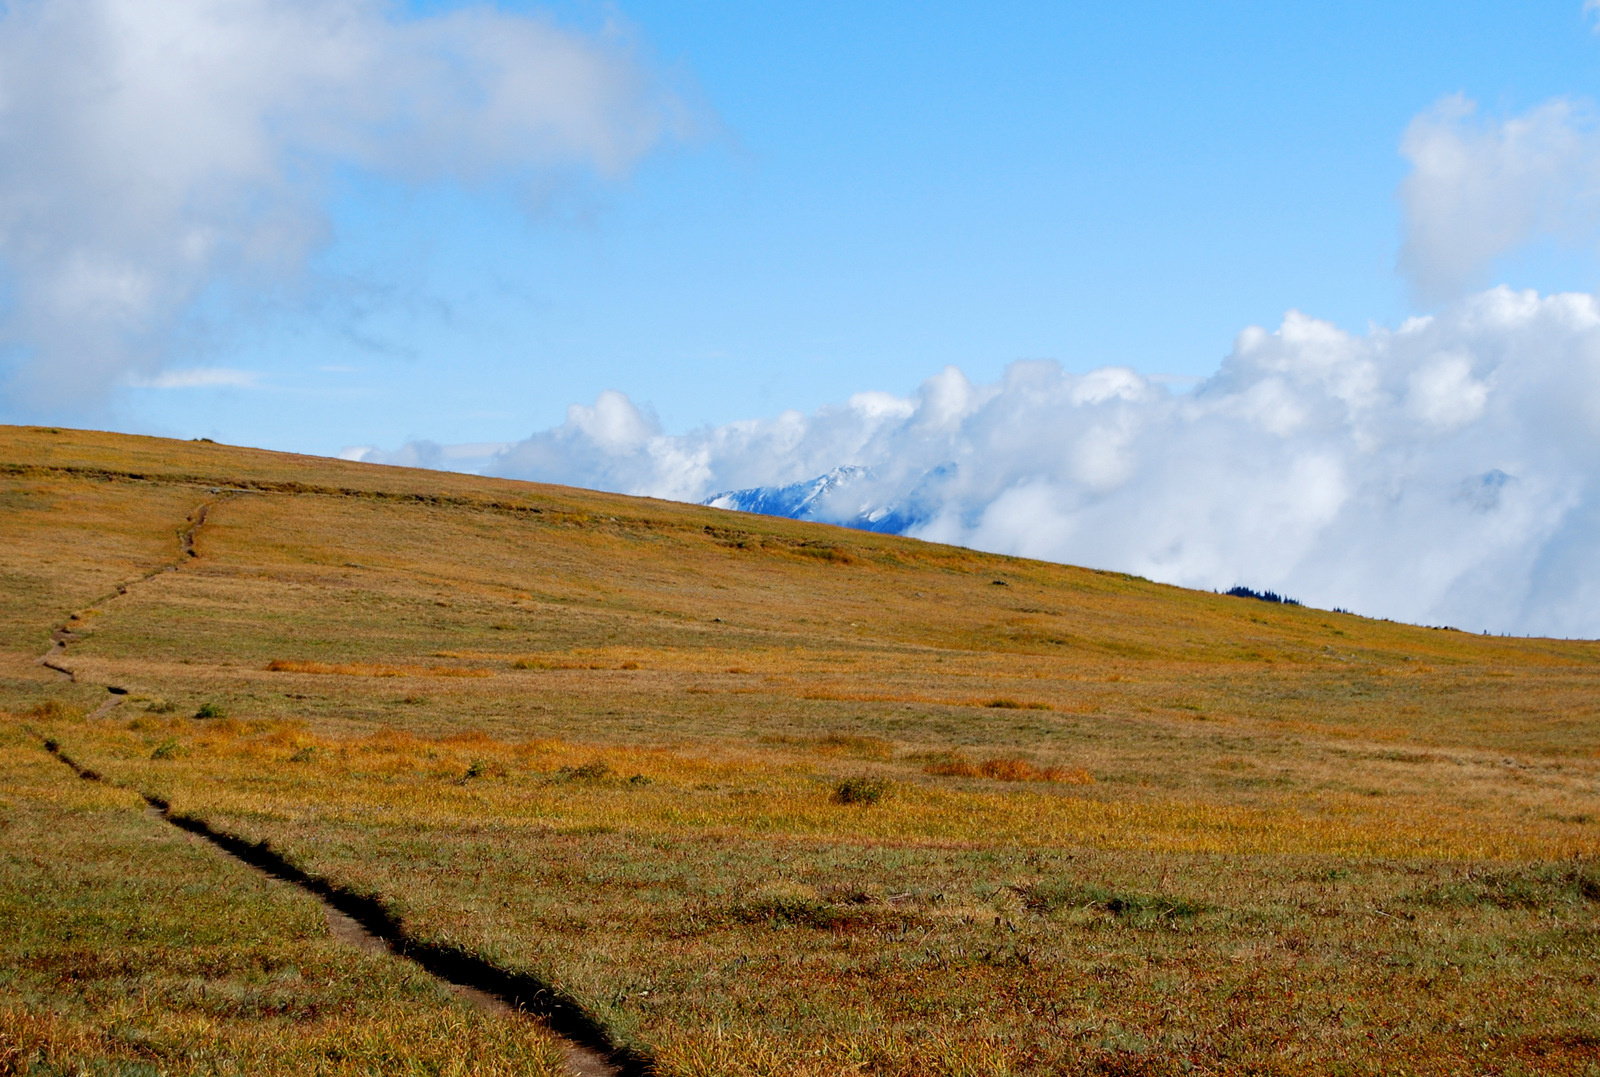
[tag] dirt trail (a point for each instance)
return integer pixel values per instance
(64, 635)
(108, 706)
(361, 921)
(58, 647)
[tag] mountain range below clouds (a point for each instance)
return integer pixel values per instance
(824, 499)
(831, 499)
(1442, 472)
(835, 498)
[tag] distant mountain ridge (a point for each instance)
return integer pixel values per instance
(834, 498)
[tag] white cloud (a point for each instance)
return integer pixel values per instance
(150, 149)
(1444, 392)
(1482, 188)
(214, 377)
(1447, 471)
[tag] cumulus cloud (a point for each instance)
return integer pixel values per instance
(1444, 472)
(1481, 188)
(152, 148)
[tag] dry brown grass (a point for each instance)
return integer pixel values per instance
(1006, 769)
(1312, 843)
(369, 669)
(130, 949)
(726, 886)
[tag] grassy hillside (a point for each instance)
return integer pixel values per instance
(773, 797)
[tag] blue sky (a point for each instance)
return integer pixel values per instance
(876, 191)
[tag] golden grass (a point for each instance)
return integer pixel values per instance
(1311, 842)
(130, 949)
(697, 865)
(393, 775)
(1006, 770)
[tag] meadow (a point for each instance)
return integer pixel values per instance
(760, 797)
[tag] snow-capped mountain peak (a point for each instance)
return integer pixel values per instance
(842, 496)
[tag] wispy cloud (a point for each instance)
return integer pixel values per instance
(197, 378)
(150, 149)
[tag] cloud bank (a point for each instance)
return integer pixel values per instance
(152, 149)
(1445, 472)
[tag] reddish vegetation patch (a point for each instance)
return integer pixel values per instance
(1007, 770)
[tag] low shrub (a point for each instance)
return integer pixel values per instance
(210, 710)
(597, 771)
(1007, 703)
(167, 749)
(860, 791)
(483, 768)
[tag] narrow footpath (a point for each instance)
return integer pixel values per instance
(361, 921)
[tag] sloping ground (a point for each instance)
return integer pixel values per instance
(124, 944)
(737, 785)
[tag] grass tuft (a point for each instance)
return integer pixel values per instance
(861, 790)
(1009, 704)
(597, 771)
